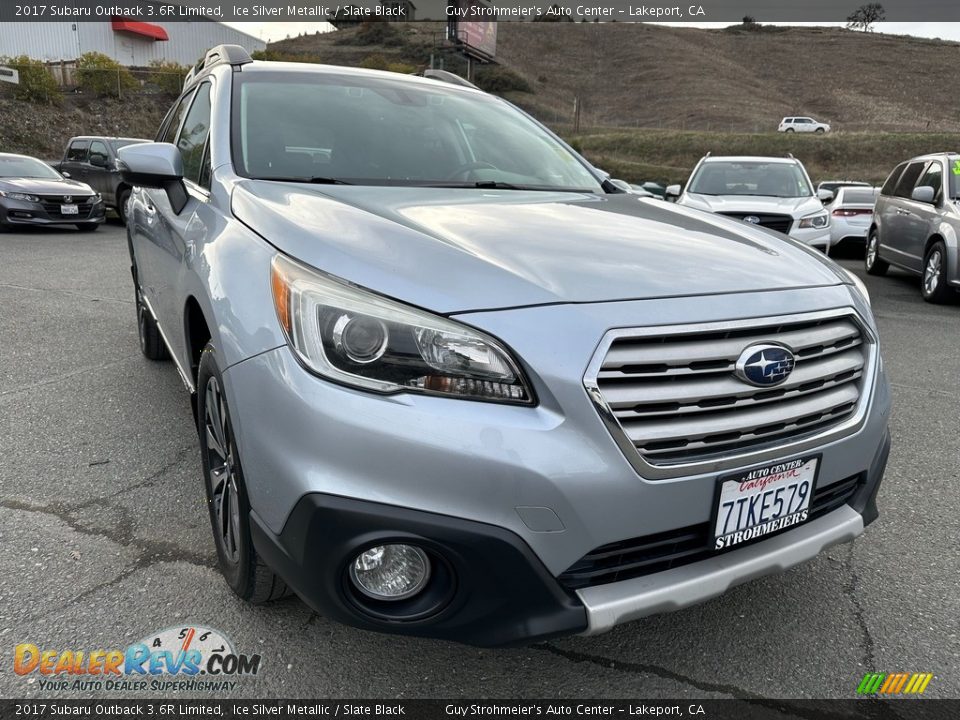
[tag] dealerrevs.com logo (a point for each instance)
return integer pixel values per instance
(174, 659)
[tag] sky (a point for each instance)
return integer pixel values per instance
(272, 31)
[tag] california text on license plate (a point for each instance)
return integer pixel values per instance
(763, 501)
(69, 210)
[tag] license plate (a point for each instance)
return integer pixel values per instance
(69, 210)
(763, 501)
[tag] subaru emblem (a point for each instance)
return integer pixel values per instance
(765, 365)
(752, 219)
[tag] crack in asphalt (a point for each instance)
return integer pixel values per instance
(122, 533)
(869, 658)
(61, 291)
(65, 376)
(786, 707)
(646, 669)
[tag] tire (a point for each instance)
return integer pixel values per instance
(872, 262)
(122, 198)
(819, 131)
(933, 285)
(246, 574)
(790, 130)
(151, 342)
(87, 227)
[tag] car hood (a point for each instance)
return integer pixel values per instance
(795, 207)
(457, 250)
(45, 186)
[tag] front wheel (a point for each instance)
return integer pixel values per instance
(819, 131)
(246, 574)
(122, 198)
(872, 262)
(934, 286)
(789, 130)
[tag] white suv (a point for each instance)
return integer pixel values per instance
(802, 124)
(773, 192)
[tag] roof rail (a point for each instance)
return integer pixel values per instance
(234, 55)
(448, 77)
(790, 155)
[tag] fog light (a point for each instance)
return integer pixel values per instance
(390, 572)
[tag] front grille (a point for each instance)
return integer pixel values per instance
(780, 223)
(51, 205)
(677, 401)
(662, 551)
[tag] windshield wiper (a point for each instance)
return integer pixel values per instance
(316, 180)
(498, 185)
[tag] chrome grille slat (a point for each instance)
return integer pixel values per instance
(705, 394)
(673, 395)
(728, 421)
(681, 354)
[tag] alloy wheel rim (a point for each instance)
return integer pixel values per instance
(221, 464)
(872, 251)
(931, 274)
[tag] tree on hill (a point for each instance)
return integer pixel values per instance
(864, 17)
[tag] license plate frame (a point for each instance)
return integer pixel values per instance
(69, 209)
(756, 472)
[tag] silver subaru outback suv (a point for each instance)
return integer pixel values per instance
(449, 382)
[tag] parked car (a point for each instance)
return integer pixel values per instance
(92, 159)
(454, 384)
(915, 224)
(851, 214)
(33, 193)
(833, 185)
(772, 192)
(802, 124)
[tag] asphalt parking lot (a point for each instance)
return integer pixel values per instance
(105, 537)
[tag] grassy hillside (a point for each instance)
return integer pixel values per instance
(631, 74)
(668, 156)
(43, 130)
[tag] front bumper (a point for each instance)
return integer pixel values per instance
(549, 482)
(21, 212)
(499, 593)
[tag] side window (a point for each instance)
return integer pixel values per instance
(891, 182)
(172, 123)
(77, 152)
(193, 137)
(933, 178)
(909, 179)
(98, 154)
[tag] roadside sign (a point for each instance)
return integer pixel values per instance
(9, 75)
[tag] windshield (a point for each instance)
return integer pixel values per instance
(25, 167)
(769, 179)
(380, 131)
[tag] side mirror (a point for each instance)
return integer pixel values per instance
(65, 173)
(923, 194)
(672, 191)
(826, 196)
(98, 160)
(155, 165)
(620, 184)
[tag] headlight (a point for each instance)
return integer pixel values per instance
(358, 338)
(19, 196)
(817, 220)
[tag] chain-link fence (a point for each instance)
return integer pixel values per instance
(41, 82)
